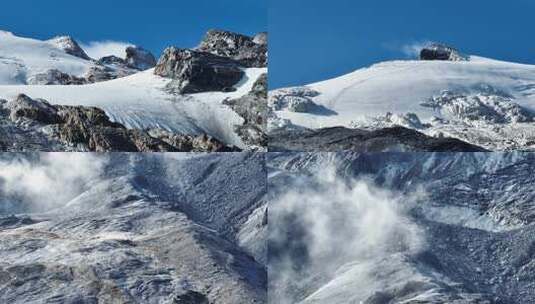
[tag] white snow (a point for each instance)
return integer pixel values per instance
(137, 101)
(399, 87)
(22, 58)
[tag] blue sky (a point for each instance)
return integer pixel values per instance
(312, 40)
(152, 24)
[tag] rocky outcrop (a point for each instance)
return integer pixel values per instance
(387, 139)
(290, 97)
(194, 71)
(199, 143)
(488, 105)
(39, 110)
(79, 128)
(253, 109)
(139, 58)
(261, 38)
(103, 72)
(69, 46)
(112, 59)
(438, 51)
(249, 52)
(56, 77)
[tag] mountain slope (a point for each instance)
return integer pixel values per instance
(23, 58)
(137, 99)
(484, 102)
(143, 228)
(401, 227)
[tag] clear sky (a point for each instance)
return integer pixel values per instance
(314, 40)
(153, 24)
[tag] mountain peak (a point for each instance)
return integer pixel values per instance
(439, 51)
(70, 46)
(239, 47)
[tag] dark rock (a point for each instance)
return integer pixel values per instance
(437, 51)
(120, 139)
(80, 128)
(253, 109)
(188, 143)
(195, 72)
(111, 60)
(99, 72)
(70, 46)
(387, 139)
(78, 123)
(33, 109)
(139, 58)
(56, 77)
(191, 297)
(250, 52)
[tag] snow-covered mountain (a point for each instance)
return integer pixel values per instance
(133, 228)
(60, 72)
(401, 227)
(481, 101)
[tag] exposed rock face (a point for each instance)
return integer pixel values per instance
(490, 106)
(56, 77)
(340, 138)
(101, 72)
(111, 60)
(438, 51)
(70, 46)
(253, 108)
(283, 98)
(79, 128)
(261, 38)
(200, 143)
(139, 58)
(195, 71)
(39, 110)
(250, 52)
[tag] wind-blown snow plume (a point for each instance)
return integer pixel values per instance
(99, 49)
(328, 222)
(412, 50)
(49, 183)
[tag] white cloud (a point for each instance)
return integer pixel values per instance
(334, 221)
(99, 49)
(48, 183)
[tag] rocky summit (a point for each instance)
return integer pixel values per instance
(249, 51)
(195, 71)
(437, 51)
(70, 46)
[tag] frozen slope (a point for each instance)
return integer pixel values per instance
(22, 58)
(364, 97)
(139, 101)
